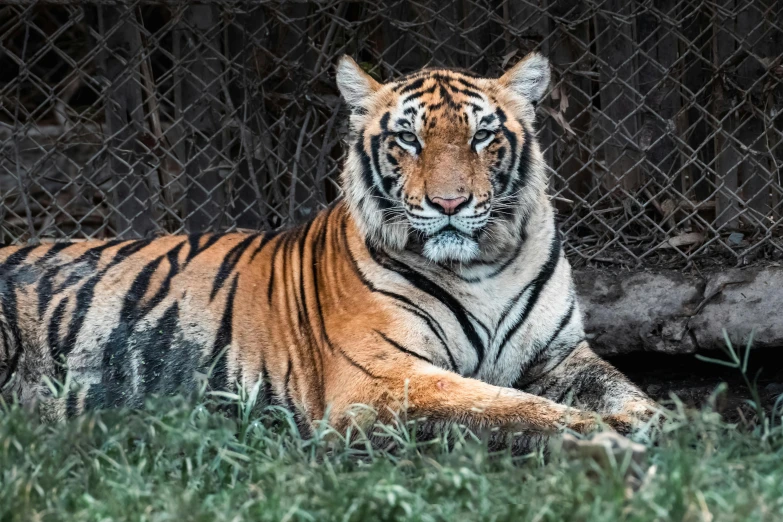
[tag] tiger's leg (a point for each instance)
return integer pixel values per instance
(591, 383)
(420, 390)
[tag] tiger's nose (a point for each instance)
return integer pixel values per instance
(448, 206)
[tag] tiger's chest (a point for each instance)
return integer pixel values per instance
(495, 327)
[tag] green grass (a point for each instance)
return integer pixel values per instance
(177, 461)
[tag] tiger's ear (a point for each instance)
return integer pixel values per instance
(529, 78)
(355, 85)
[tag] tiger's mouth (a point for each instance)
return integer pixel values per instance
(450, 230)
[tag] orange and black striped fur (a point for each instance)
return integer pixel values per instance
(437, 285)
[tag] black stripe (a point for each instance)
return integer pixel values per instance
(83, 301)
(288, 247)
(12, 339)
(157, 350)
(273, 263)
(173, 258)
(537, 285)
(44, 289)
(435, 328)
(53, 329)
(218, 379)
(411, 306)
(264, 240)
(565, 390)
(266, 387)
(384, 122)
(402, 348)
(503, 178)
(429, 287)
(367, 172)
(52, 252)
(126, 251)
(387, 182)
(488, 118)
(318, 247)
(195, 239)
(417, 94)
(412, 86)
(358, 366)
(375, 149)
(301, 423)
(131, 306)
(502, 267)
(96, 397)
(445, 96)
(479, 323)
(302, 304)
(541, 351)
(318, 252)
(465, 82)
(314, 352)
(513, 302)
(72, 404)
(393, 162)
(230, 262)
(5, 342)
(92, 256)
(523, 169)
(286, 396)
(10, 369)
(15, 259)
(470, 93)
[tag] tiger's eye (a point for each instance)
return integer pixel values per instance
(408, 137)
(481, 135)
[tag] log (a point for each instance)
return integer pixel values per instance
(668, 312)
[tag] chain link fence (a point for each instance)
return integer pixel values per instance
(663, 129)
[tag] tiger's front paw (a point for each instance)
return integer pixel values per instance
(645, 413)
(620, 422)
(641, 409)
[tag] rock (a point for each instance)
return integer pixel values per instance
(774, 388)
(607, 449)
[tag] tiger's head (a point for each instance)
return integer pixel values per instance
(442, 161)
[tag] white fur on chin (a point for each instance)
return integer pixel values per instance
(451, 246)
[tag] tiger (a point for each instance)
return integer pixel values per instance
(435, 289)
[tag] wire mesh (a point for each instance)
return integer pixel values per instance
(662, 130)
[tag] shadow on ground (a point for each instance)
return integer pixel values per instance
(692, 380)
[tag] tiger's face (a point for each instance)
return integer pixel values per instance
(443, 162)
